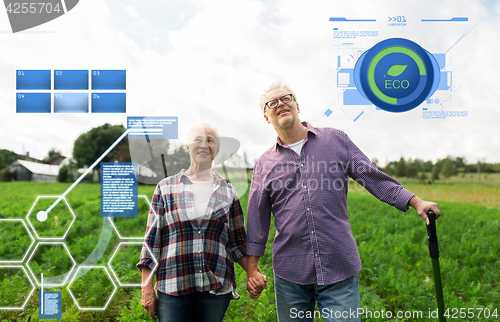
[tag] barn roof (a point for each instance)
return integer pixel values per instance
(39, 168)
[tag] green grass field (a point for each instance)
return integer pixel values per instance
(396, 274)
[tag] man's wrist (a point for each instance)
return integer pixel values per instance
(253, 263)
(413, 201)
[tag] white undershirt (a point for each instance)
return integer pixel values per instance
(297, 147)
(202, 191)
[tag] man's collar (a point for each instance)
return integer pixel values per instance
(310, 128)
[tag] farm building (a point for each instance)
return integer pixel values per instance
(32, 171)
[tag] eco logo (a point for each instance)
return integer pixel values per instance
(396, 75)
(28, 14)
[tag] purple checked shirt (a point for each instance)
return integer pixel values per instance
(308, 196)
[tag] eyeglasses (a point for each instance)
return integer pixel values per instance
(283, 99)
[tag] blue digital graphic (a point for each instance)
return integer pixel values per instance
(396, 75)
(109, 80)
(344, 19)
(454, 19)
(33, 80)
(158, 127)
(49, 305)
(71, 103)
(119, 189)
(71, 79)
(33, 103)
(109, 103)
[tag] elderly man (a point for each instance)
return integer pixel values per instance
(303, 181)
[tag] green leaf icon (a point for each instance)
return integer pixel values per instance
(396, 70)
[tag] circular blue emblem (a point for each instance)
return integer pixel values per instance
(396, 75)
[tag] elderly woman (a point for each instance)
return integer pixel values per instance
(195, 232)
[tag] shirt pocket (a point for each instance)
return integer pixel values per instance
(221, 211)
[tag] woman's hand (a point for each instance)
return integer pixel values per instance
(148, 292)
(149, 300)
(256, 283)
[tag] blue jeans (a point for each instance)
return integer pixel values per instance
(196, 306)
(337, 302)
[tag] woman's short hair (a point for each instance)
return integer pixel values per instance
(203, 126)
(274, 85)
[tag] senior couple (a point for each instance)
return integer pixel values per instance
(196, 232)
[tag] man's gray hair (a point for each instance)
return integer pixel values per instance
(277, 84)
(203, 126)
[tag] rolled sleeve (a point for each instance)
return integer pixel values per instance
(258, 214)
(382, 186)
(237, 234)
(152, 240)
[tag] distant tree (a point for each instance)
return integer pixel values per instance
(435, 173)
(7, 157)
(52, 154)
(448, 169)
(390, 168)
(89, 146)
(412, 170)
(427, 166)
(401, 168)
(178, 160)
(423, 177)
(460, 162)
(64, 174)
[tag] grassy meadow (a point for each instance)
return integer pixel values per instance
(396, 274)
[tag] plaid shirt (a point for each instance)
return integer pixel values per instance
(193, 256)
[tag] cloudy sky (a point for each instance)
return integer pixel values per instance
(210, 60)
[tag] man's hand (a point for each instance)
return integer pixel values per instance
(149, 300)
(422, 207)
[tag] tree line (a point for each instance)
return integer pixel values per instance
(442, 168)
(167, 157)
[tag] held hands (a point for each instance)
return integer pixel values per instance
(149, 300)
(422, 207)
(256, 283)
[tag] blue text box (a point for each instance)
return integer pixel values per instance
(119, 189)
(71, 79)
(71, 103)
(109, 79)
(49, 305)
(33, 80)
(109, 103)
(155, 127)
(33, 103)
